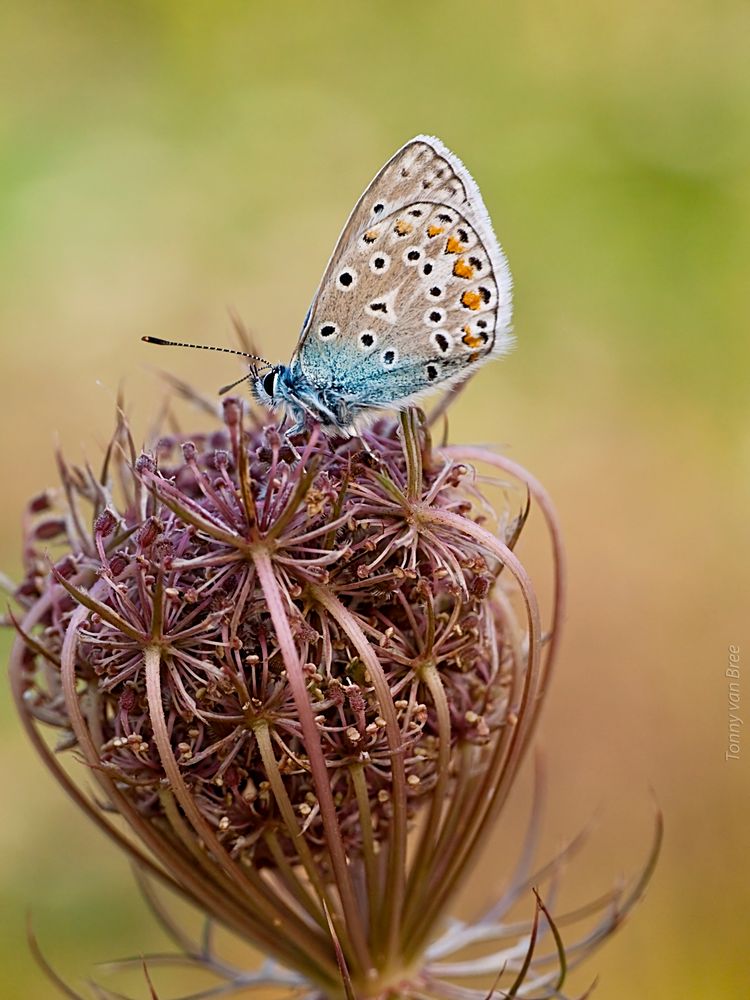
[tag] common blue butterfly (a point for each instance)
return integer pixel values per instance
(416, 295)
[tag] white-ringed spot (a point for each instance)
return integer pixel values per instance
(473, 340)
(379, 263)
(442, 341)
(434, 317)
(347, 279)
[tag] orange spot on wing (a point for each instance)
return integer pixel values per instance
(471, 340)
(454, 245)
(434, 231)
(472, 300)
(463, 270)
(371, 235)
(403, 227)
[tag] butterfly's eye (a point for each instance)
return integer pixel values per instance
(269, 383)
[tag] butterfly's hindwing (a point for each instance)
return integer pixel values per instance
(414, 302)
(417, 291)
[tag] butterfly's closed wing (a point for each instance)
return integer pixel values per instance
(417, 291)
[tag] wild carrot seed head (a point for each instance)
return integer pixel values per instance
(170, 558)
(303, 683)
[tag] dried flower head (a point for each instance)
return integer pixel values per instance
(305, 680)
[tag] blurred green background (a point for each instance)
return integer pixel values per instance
(162, 161)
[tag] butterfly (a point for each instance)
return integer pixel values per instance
(415, 297)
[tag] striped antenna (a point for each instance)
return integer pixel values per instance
(251, 374)
(204, 347)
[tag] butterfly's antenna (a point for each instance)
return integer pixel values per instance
(225, 388)
(204, 347)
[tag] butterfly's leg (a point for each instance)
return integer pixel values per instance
(366, 446)
(297, 427)
(300, 425)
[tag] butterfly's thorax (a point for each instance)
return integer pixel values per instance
(329, 403)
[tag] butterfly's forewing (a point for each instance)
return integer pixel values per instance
(417, 291)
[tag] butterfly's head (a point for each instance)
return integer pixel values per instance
(276, 388)
(265, 386)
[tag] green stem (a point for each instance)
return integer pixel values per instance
(409, 420)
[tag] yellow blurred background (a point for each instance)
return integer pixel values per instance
(162, 161)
